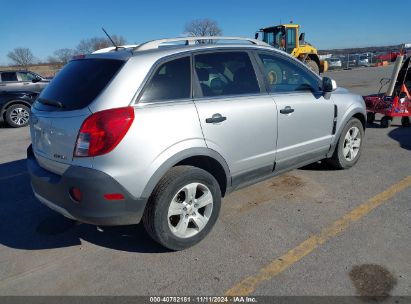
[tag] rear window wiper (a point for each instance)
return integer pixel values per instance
(50, 102)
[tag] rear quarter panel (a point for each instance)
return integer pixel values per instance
(159, 132)
(123, 88)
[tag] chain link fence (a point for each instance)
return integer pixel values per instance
(355, 60)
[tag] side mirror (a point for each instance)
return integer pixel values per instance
(36, 80)
(256, 36)
(329, 85)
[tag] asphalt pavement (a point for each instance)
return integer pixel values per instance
(312, 231)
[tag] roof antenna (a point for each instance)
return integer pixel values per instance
(116, 46)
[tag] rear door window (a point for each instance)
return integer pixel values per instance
(226, 73)
(9, 76)
(171, 80)
(78, 83)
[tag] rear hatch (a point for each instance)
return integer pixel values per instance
(62, 107)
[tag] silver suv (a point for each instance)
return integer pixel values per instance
(11, 81)
(159, 134)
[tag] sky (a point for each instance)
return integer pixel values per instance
(45, 26)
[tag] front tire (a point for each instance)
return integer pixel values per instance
(313, 66)
(349, 145)
(183, 207)
(386, 122)
(17, 116)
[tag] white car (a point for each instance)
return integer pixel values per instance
(363, 61)
(334, 62)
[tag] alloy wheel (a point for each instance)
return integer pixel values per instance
(19, 116)
(352, 143)
(190, 210)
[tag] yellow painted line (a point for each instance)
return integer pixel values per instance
(249, 284)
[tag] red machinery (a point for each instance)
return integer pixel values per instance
(396, 105)
(391, 56)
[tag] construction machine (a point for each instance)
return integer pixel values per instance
(284, 37)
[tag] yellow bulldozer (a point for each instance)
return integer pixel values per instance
(284, 37)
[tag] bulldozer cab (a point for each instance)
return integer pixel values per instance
(283, 37)
(286, 37)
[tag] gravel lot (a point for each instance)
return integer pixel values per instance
(285, 232)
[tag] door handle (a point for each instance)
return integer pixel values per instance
(216, 118)
(287, 110)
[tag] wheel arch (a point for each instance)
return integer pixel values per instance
(362, 118)
(203, 158)
(353, 113)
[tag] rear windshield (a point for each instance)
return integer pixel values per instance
(78, 84)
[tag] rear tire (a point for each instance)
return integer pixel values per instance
(18, 115)
(349, 146)
(183, 207)
(386, 122)
(370, 117)
(312, 65)
(405, 121)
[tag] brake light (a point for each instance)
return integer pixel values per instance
(102, 131)
(79, 56)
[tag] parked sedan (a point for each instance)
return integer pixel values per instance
(15, 107)
(22, 81)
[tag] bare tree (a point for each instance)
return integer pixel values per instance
(63, 55)
(87, 46)
(22, 57)
(203, 27)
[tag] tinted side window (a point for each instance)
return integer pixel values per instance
(8, 76)
(226, 73)
(285, 76)
(170, 81)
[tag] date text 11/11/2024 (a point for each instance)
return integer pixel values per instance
(202, 299)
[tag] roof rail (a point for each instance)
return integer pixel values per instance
(153, 44)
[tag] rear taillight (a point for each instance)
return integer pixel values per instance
(101, 132)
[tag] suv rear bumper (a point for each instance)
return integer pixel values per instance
(53, 190)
